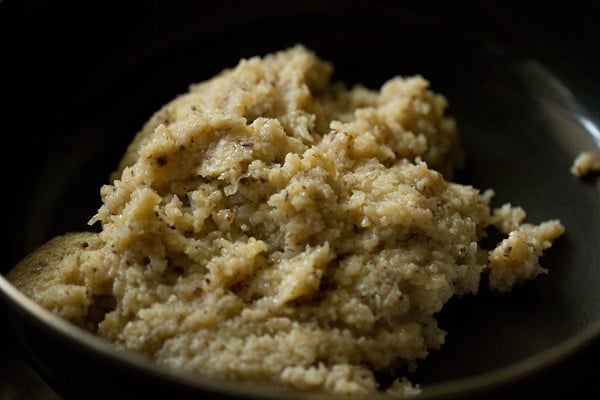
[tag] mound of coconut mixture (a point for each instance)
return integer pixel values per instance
(272, 226)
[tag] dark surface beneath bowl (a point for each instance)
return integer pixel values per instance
(524, 94)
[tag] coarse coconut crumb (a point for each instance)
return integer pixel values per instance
(586, 163)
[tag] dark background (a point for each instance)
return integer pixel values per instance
(57, 58)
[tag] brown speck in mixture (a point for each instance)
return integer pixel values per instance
(146, 260)
(507, 251)
(162, 160)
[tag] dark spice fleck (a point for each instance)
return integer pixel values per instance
(162, 160)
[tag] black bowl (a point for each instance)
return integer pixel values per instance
(522, 83)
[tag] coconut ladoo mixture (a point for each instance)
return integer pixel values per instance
(272, 226)
(586, 163)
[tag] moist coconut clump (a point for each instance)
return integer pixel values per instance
(272, 226)
(586, 163)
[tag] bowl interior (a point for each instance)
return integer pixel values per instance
(521, 116)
